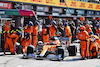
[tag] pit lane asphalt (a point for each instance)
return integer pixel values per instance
(70, 61)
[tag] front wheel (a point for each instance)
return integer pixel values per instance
(60, 53)
(25, 56)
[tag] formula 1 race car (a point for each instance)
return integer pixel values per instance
(54, 49)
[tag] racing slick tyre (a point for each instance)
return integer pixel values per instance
(39, 49)
(30, 49)
(72, 50)
(25, 56)
(60, 50)
(18, 49)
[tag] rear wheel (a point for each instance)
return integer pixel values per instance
(39, 49)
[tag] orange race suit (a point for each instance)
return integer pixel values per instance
(88, 28)
(45, 35)
(6, 28)
(52, 31)
(10, 41)
(35, 35)
(84, 44)
(28, 30)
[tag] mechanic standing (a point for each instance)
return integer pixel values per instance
(53, 29)
(11, 42)
(97, 29)
(45, 34)
(7, 30)
(68, 32)
(28, 31)
(84, 44)
(35, 34)
(61, 29)
(88, 28)
(73, 29)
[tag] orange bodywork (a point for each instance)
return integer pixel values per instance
(56, 42)
(49, 47)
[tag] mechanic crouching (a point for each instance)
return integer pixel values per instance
(35, 33)
(94, 45)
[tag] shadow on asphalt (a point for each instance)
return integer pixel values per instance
(77, 59)
(1, 54)
(5, 54)
(21, 58)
